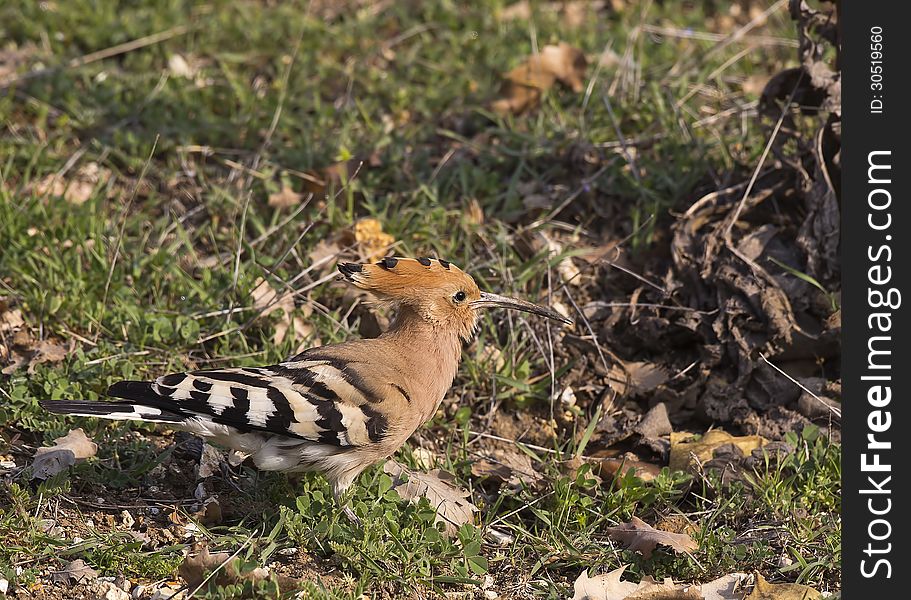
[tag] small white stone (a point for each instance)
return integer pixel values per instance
(491, 595)
(164, 593)
(568, 397)
(127, 519)
(4, 585)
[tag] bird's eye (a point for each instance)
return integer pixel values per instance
(459, 296)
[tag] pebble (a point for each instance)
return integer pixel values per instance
(164, 593)
(127, 519)
(109, 591)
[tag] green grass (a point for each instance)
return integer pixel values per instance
(180, 232)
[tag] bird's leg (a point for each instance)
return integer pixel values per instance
(342, 498)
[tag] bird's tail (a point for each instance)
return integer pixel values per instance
(117, 411)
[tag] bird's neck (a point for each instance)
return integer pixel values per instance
(431, 350)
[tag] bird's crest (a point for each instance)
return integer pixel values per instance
(407, 279)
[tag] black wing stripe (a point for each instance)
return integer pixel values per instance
(237, 413)
(281, 418)
(227, 397)
(377, 424)
(202, 386)
(174, 379)
(241, 378)
(303, 376)
(330, 420)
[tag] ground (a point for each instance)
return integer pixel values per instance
(178, 180)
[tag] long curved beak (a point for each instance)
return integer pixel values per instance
(489, 300)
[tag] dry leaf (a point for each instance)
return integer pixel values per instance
(755, 84)
(66, 450)
(372, 242)
(423, 458)
(640, 536)
(781, 591)
(684, 453)
(569, 272)
(75, 572)
(284, 198)
(365, 237)
(266, 300)
(727, 587)
(509, 466)
(453, 508)
(609, 587)
(322, 257)
(209, 461)
(475, 212)
(194, 569)
(78, 188)
(636, 378)
(649, 589)
(603, 587)
(22, 350)
(47, 352)
(524, 85)
(11, 320)
(609, 468)
(574, 13)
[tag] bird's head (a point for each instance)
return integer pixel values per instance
(437, 290)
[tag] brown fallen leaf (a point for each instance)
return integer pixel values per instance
(609, 587)
(453, 508)
(76, 189)
(267, 301)
(74, 572)
(10, 319)
(684, 454)
(603, 587)
(284, 198)
(574, 13)
(364, 241)
(636, 378)
(726, 587)
(642, 537)
(524, 85)
(209, 461)
(609, 468)
(649, 589)
(507, 465)
(66, 450)
(372, 242)
(323, 256)
(199, 564)
(48, 351)
(194, 569)
(22, 349)
(764, 590)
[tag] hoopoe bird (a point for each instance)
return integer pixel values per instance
(334, 409)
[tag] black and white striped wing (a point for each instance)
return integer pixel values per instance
(312, 400)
